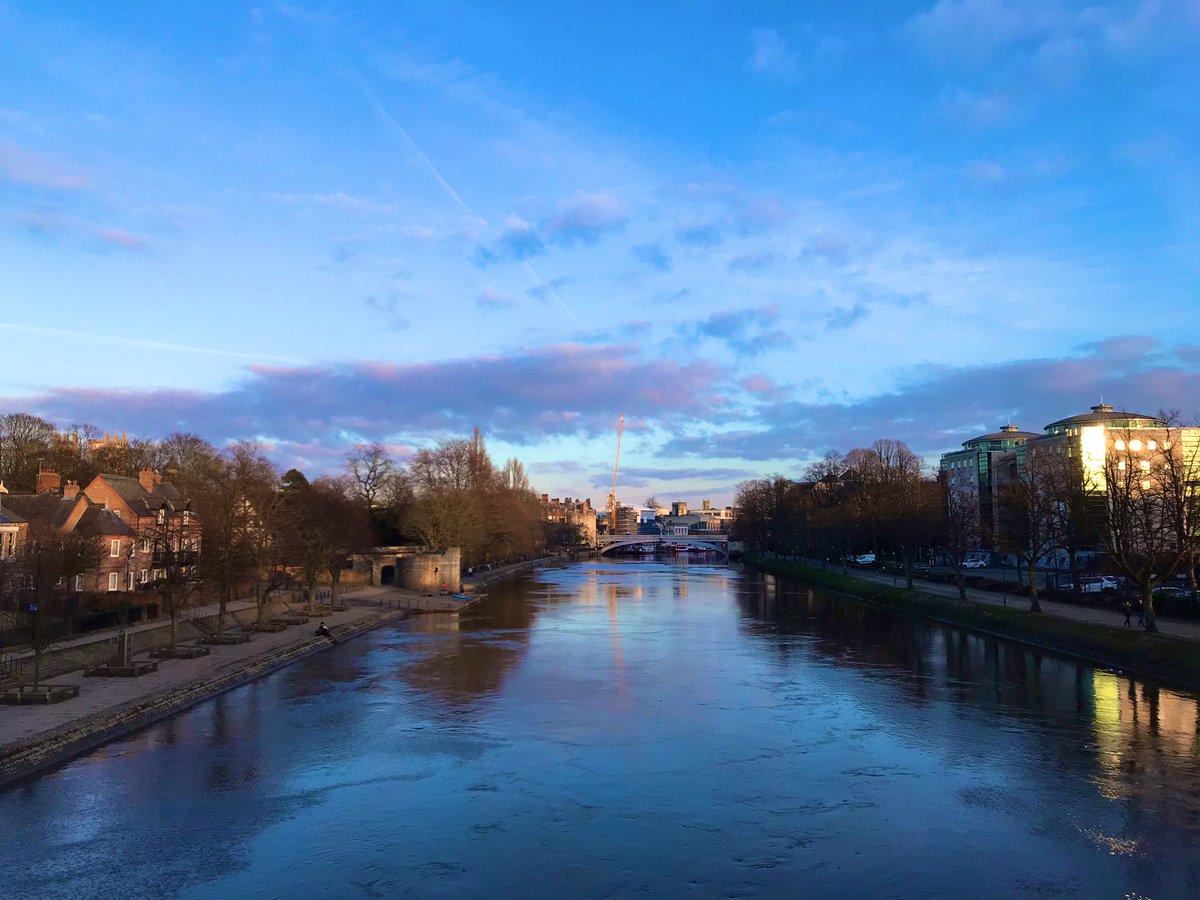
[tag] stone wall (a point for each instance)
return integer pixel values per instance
(428, 572)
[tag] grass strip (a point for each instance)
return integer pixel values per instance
(1167, 659)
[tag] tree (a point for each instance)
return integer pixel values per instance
(906, 502)
(25, 440)
(1150, 507)
(651, 502)
(1027, 513)
(174, 559)
(46, 563)
(264, 517)
(219, 495)
(961, 530)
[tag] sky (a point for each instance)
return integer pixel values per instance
(760, 231)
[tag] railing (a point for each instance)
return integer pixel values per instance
(8, 667)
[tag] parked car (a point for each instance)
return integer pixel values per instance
(1097, 584)
(865, 560)
(974, 563)
(1166, 590)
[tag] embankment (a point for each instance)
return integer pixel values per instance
(51, 748)
(1169, 660)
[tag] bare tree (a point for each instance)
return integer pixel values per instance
(962, 531)
(46, 563)
(1027, 513)
(1150, 507)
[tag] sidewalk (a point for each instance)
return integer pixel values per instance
(1113, 618)
(98, 696)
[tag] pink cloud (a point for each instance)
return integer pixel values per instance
(19, 166)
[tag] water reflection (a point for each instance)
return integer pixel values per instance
(615, 728)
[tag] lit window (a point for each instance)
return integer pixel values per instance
(1121, 466)
(1145, 465)
(1135, 445)
(1166, 445)
(1119, 444)
(1151, 445)
(187, 516)
(1145, 485)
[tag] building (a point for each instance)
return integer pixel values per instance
(141, 523)
(977, 470)
(1094, 444)
(12, 528)
(568, 511)
(72, 512)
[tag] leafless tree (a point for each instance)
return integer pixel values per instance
(962, 531)
(1028, 508)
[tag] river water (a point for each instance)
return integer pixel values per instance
(635, 728)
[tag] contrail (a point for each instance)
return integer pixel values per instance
(142, 345)
(398, 129)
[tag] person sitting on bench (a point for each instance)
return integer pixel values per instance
(323, 630)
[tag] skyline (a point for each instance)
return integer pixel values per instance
(760, 233)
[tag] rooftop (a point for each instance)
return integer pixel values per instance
(1103, 414)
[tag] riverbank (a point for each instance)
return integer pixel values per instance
(1170, 660)
(36, 738)
(474, 582)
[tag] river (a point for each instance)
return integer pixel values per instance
(635, 728)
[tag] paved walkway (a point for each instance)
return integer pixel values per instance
(1173, 627)
(98, 695)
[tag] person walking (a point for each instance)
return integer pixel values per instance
(1141, 613)
(1128, 609)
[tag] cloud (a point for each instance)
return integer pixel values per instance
(977, 110)
(845, 317)
(984, 171)
(698, 232)
(565, 390)
(936, 408)
(518, 242)
(20, 167)
(586, 218)
(645, 476)
(337, 200)
(828, 246)
(752, 263)
(761, 215)
(770, 55)
(493, 299)
(747, 332)
(548, 288)
(125, 240)
(653, 256)
(974, 32)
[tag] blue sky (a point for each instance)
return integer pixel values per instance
(759, 230)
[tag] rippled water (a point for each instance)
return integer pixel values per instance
(611, 729)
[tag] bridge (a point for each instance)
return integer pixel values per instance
(717, 542)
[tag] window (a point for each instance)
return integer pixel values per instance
(1151, 445)
(1119, 444)
(78, 583)
(144, 577)
(161, 518)
(187, 517)
(114, 581)
(1121, 466)
(1145, 464)
(1145, 485)
(131, 581)
(145, 546)
(114, 548)
(1135, 445)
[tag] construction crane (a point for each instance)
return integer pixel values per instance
(612, 496)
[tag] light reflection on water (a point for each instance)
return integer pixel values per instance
(615, 728)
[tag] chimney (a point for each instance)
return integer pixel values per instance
(148, 478)
(71, 490)
(48, 481)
